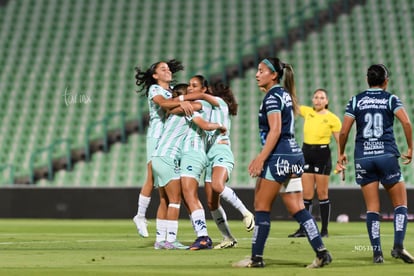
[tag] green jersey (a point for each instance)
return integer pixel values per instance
(156, 113)
(195, 139)
(173, 134)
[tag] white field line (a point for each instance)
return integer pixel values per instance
(184, 238)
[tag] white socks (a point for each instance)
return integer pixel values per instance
(230, 196)
(198, 219)
(220, 217)
(143, 203)
(161, 230)
(172, 229)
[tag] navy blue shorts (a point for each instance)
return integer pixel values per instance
(280, 167)
(384, 168)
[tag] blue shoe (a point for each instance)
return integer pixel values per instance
(203, 242)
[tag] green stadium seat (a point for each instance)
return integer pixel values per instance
(92, 47)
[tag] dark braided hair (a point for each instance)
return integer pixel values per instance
(144, 79)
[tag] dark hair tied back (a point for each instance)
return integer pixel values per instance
(377, 74)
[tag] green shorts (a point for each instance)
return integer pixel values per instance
(151, 145)
(164, 169)
(193, 164)
(219, 155)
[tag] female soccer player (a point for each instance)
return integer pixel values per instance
(376, 156)
(193, 162)
(155, 81)
(320, 124)
(221, 162)
(279, 165)
(166, 172)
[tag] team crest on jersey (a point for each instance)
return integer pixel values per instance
(167, 94)
(287, 99)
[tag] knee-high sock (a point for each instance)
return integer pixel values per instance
(230, 196)
(198, 218)
(373, 227)
(307, 222)
(161, 234)
(308, 204)
(400, 226)
(172, 230)
(325, 209)
(143, 203)
(260, 234)
(220, 218)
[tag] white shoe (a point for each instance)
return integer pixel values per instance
(141, 224)
(175, 245)
(226, 243)
(248, 221)
(159, 245)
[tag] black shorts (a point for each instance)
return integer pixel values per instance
(317, 159)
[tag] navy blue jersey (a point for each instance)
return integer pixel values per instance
(277, 99)
(373, 111)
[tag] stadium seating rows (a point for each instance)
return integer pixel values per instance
(67, 64)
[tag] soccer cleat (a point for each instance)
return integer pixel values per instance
(378, 259)
(159, 245)
(323, 258)
(203, 242)
(141, 224)
(249, 263)
(248, 221)
(175, 245)
(324, 234)
(401, 253)
(226, 243)
(300, 233)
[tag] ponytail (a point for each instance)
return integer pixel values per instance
(286, 70)
(289, 84)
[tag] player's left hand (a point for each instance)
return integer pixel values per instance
(406, 157)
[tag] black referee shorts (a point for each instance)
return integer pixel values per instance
(317, 159)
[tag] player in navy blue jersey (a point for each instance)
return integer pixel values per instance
(376, 156)
(279, 165)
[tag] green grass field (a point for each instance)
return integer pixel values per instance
(112, 247)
